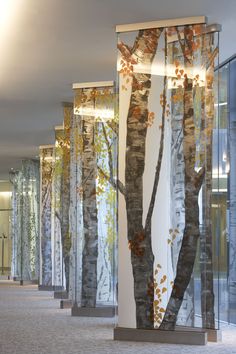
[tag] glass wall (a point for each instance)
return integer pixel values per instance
(225, 194)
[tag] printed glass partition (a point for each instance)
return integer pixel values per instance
(93, 197)
(30, 220)
(46, 216)
(25, 221)
(65, 198)
(58, 268)
(167, 91)
(16, 180)
(61, 203)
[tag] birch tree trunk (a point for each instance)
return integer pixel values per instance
(90, 250)
(186, 312)
(76, 212)
(193, 182)
(142, 257)
(206, 244)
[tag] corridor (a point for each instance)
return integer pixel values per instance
(32, 323)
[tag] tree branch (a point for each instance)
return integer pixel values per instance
(212, 58)
(161, 148)
(115, 184)
(199, 178)
(58, 216)
(110, 159)
(126, 52)
(181, 44)
(113, 126)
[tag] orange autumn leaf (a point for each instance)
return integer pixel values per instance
(197, 29)
(136, 111)
(163, 279)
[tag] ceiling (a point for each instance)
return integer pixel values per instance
(47, 45)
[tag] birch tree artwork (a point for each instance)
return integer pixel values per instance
(65, 194)
(165, 147)
(25, 221)
(61, 202)
(16, 180)
(46, 166)
(92, 144)
(30, 219)
(75, 210)
(58, 268)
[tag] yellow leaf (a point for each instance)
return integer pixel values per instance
(163, 279)
(164, 290)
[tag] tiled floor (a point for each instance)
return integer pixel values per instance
(31, 322)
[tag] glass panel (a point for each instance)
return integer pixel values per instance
(61, 202)
(65, 198)
(224, 220)
(16, 180)
(93, 206)
(30, 220)
(232, 191)
(25, 222)
(219, 190)
(58, 269)
(46, 170)
(166, 118)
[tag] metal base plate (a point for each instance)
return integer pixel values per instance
(190, 337)
(102, 311)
